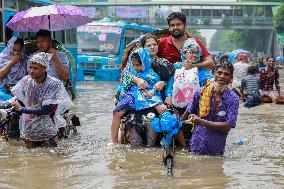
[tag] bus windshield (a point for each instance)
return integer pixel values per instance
(99, 39)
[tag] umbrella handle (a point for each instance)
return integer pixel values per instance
(48, 21)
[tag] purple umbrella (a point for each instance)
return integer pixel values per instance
(52, 18)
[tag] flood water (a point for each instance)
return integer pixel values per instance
(86, 161)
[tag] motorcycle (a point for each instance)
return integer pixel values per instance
(9, 122)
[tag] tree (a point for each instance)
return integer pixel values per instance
(252, 40)
(197, 34)
(278, 19)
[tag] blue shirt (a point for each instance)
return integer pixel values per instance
(62, 57)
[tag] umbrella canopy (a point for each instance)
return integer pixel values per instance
(240, 52)
(278, 58)
(52, 18)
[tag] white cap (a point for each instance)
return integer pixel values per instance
(41, 58)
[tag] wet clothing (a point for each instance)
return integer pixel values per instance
(252, 101)
(161, 66)
(44, 110)
(168, 51)
(127, 102)
(18, 71)
(267, 81)
(209, 141)
(36, 96)
(147, 74)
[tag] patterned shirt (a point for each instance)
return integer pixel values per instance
(209, 141)
(267, 81)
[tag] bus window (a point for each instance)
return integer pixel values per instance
(129, 36)
(59, 36)
(10, 4)
(8, 31)
(1, 28)
(70, 36)
(99, 39)
(24, 5)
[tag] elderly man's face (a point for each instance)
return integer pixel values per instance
(223, 76)
(177, 28)
(43, 43)
(36, 70)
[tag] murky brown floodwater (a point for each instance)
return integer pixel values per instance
(85, 160)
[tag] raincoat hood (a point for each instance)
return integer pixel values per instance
(191, 46)
(145, 59)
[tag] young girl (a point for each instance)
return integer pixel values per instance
(134, 97)
(192, 52)
(188, 78)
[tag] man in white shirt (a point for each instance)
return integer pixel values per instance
(240, 71)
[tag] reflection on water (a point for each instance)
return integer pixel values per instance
(86, 161)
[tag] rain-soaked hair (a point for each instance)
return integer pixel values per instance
(136, 56)
(176, 15)
(145, 38)
(225, 65)
(251, 70)
(43, 33)
(270, 57)
(19, 41)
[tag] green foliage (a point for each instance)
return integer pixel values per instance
(193, 21)
(160, 20)
(206, 21)
(254, 41)
(197, 34)
(278, 19)
(247, 21)
(220, 42)
(227, 21)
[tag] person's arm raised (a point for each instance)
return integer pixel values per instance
(207, 63)
(6, 69)
(62, 70)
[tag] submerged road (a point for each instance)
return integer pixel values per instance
(86, 161)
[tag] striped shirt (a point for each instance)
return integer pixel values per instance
(250, 84)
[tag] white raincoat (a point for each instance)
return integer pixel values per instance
(33, 95)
